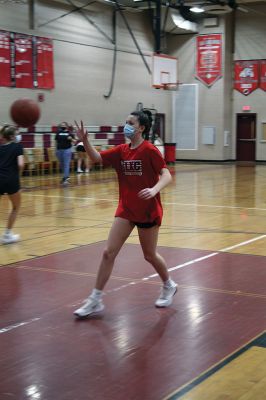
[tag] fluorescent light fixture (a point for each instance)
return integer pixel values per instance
(197, 10)
(183, 23)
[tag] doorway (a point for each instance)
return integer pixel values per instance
(246, 138)
(159, 126)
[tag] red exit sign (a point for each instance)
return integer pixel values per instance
(246, 108)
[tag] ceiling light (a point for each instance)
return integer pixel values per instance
(183, 23)
(197, 9)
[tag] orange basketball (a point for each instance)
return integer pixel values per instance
(25, 112)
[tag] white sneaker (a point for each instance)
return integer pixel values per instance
(9, 238)
(166, 297)
(91, 306)
(79, 171)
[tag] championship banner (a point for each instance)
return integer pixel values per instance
(246, 76)
(263, 74)
(5, 56)
(23, 61)
(209, 58)
(45, 69)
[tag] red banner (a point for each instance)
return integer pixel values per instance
(23, 61)
(5, 57)
(263, 74)
(246, 76)
(45, 70)
(209, 58)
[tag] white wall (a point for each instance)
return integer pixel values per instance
(213, 110)
(250, 44)
(83, 65)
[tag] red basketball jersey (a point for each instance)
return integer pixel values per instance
(136, 169)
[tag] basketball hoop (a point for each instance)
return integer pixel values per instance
(170, 86)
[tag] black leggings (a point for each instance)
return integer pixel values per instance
(145, 224)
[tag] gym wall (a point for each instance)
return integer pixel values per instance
(83, 60)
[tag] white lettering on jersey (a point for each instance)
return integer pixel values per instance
(132, 167)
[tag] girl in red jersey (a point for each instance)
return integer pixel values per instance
(142, 173)
(11, 162)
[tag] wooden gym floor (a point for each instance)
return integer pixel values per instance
(209, 345)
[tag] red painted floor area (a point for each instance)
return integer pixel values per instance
(135, 352)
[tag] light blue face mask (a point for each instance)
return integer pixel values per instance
(129, 131)
(18, 138)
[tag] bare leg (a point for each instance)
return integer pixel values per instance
(86, 162)
(15, 201)
(79, 162)
(148, 239)
(119, 233)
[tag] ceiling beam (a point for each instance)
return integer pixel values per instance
(31, 14)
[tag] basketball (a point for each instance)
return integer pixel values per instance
(25, 112)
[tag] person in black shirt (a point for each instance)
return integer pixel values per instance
(11, 162)
(64, 140)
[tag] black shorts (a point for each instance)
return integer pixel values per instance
(10, 186)
(80, 148)
(145, 224)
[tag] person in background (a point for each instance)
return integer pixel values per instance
(64, 141)
(142, 174)
(82, 158)
(11, 163)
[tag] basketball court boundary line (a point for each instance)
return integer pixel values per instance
(131, 282)
(18, 325)
(224, 250)
(187, 387)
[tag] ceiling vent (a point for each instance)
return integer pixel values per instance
(217, 9)
(176, 24)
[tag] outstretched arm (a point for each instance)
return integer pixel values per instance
(164, 180)
(90, 150)
(20, 161)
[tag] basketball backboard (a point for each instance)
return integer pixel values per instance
(164, 70)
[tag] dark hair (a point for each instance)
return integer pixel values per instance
(8, 132)
(143, 120)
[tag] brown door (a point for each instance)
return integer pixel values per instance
(246, 137)
(159, 125)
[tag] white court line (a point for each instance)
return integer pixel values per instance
(165, 202)
(209, 255)
(69, 197)
(11, 327)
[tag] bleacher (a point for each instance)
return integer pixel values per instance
(37, 138)
(43, 136)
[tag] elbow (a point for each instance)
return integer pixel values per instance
(168, 175)
(97, 159)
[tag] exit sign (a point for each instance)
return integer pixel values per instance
(246, 108)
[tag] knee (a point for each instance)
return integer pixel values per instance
(109, 255)
(150, 257)
(15, 207)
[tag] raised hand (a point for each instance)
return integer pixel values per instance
(81, 132)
